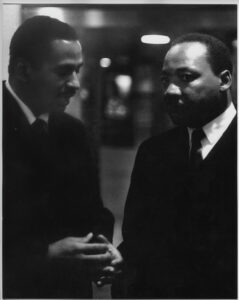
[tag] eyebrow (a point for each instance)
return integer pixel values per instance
(182, 69)
(179, 70)
(69, 65)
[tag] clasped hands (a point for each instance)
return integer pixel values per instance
(94, 254)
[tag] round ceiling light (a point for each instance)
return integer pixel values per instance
(105, 62)
(156, 39)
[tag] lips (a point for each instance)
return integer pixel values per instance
(68, 95)
(66, 98)
(65, 103)
(172, 100)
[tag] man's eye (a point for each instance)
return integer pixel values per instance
(63, 72)
(77, 70)
(187, 77)
(67, 72)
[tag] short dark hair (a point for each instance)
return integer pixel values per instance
(219, 55)
(32, 39)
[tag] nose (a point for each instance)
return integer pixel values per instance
(73, 81)
(172, 89)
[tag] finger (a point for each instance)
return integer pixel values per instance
(117, 258)
(90, 248)
(88, 237)
(95, 258)
(102, 238)
(112, 248)
(108, 269)
(107, 272)
(103, 271)
(84, 239)
(114, 252)
(117, 261)
(104, 280)
(111, 273)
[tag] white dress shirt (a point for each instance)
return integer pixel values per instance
(214, 130)
(25, 109)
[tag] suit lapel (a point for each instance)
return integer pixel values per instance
(180, 148)
(226, 147)
(14, 120)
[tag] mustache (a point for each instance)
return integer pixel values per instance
(70, 92)
(173, 100)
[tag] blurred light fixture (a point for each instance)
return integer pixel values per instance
(155, 39)
(94, 18)
(105, 62)
(53, 12)
(124, 83)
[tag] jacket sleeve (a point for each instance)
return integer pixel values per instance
(86, 187)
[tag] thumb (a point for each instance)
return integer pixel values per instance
(87, 238)
(103, 239)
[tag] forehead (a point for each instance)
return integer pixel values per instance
(64, 50)
(187, 55)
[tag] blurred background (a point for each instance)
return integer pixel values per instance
(120, 99)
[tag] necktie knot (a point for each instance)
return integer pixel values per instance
(40, 140)
(39, 127)
(197, 136)
(195, 155)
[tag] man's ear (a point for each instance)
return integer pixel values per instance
(226, 80)
(22, 70)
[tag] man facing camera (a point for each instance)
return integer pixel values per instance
(179, 229)
(52, 210)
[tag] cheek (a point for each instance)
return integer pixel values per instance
(209, 92)
(51, 86)
(202, 91)
(49, 80)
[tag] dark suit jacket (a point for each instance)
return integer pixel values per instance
(50, 191)
(179, 227)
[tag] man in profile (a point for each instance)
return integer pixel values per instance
(180, 222)
(52, 210)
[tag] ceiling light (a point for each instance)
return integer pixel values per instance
(53, 12)
(155, 39)
(105, 62)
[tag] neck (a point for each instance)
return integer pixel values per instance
(23, 93)
(229, 98)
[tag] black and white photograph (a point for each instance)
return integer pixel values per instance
(119, 149)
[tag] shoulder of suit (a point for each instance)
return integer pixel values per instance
(11, 110)
(64, 119)
(162, 139)
(68, 126)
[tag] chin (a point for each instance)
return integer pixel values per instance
(191, 121)
(62, 108)
(177, 120)
(59, 109)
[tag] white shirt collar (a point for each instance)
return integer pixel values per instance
(215, 128)
(25, 109)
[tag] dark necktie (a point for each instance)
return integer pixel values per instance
(195, 156)
(39, 128)
(40, 137)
